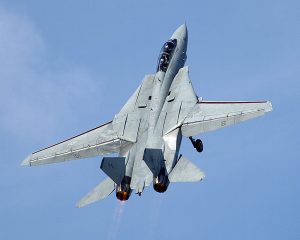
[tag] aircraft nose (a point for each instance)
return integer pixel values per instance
(180, 33)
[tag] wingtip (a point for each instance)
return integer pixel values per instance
(83, 202)
(26, 161)
(203, 176)
(79, 205)
(269, 107)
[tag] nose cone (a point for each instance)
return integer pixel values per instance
(180, 33)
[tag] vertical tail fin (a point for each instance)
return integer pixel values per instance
(154, 160)
(114, 167)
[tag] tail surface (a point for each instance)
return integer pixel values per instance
(101, 191)
(185, 171)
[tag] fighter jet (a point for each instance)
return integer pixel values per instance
(147, 132)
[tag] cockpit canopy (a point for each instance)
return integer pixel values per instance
(166, 54)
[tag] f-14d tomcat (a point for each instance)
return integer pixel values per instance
(148, 130)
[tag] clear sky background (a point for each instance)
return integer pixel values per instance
(68, 66)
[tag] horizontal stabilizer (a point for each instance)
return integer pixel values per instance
(114, 167)
(101, 191)
(185, 171)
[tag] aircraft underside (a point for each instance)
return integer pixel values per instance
(147, 132)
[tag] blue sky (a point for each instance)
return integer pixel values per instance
(67, 66)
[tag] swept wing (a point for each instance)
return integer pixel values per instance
(108, 138)
(98, 141)
(211, 115)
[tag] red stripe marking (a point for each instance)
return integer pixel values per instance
(215, 102)
(72, 137)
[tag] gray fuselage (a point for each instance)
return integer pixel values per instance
(152, 147)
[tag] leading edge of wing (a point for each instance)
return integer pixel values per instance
(96, 141)
(267, 104)
(80, 134)
(211, 115)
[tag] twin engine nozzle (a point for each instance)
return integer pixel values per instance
(115, 168)
(160, 184)
(123, 190)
